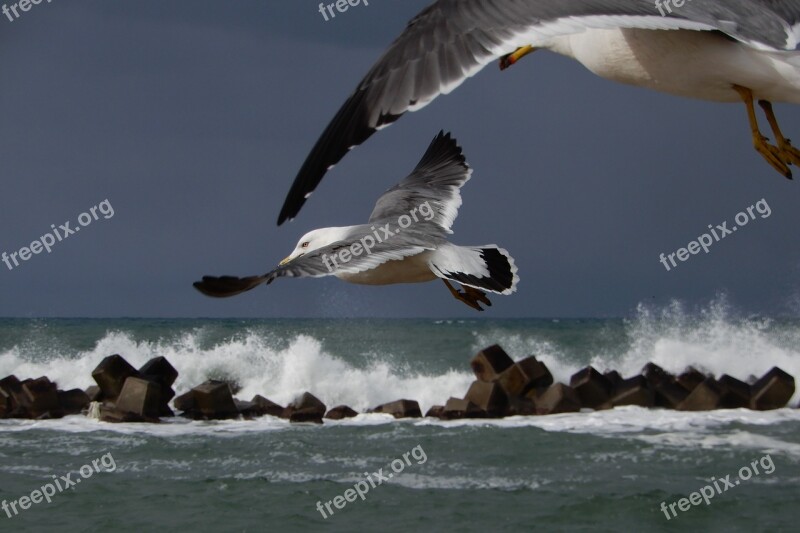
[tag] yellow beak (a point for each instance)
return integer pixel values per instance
(285, 261)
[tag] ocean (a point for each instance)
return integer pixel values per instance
(602, 471)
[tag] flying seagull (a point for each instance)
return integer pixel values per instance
(404, 241)
(716, 50)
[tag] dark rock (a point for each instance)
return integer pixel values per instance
(435, 411)
(593, 388)
(42, 397)
(490, 362)
(669, 395)
(559, 398)
(400, 409)
(735, 393)
(339, 412)
(94, 393)
(690, 378)
(489, 397)
(456, 408)
(705, 397)
(213, 401)
(73, 401)
(772, 391)
(111, 374)
(140, 397)
(655, 375)
(633, 391)
(158, 369)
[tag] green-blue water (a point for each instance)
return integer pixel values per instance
(608, 470)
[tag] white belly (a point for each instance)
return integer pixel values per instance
(413, 269)
(693, 64)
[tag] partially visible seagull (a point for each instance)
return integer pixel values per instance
(716, 50)
(405, 240)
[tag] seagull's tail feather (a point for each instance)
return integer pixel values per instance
(225, 286)
(488, 268)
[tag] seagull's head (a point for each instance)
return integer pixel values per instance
(314, 240)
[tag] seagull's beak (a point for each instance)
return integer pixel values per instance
(285, 261)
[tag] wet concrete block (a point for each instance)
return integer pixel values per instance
(42, 396)
(435, 411)
(73, 401)
(490, 362)
(140, 397)
(633, 391)
(340, 412)
(400, 409)
(736, 394)
(704, 397)
(457, 408)
(110, 376)
(559, 398)
(772, 391)
(592, 387)
(213, 401)
(94, 393)
(305, 408)
(489, 397)
(160, 370)
(655, 375)
(690, 378)
(669, 395)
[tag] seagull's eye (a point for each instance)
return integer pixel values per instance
(304, 245)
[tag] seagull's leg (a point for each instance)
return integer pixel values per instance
(468, 296)
(771, 153)
(791, 155)
(509, 59)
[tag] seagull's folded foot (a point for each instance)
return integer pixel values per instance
(787, 153)
(774, 155)
(470, 296)
(509, 59)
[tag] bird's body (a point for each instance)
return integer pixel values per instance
(702, 65)
(404, 241)
(414, 269)
(715, 50)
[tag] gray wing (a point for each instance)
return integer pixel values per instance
(327, 260)
(431, 193)
(452, 40)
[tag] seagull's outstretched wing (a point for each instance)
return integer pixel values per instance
(431, 191)
(451, 40)
(326, 261)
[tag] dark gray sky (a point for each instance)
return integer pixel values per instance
(192, 118)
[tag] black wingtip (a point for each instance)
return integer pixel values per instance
(348, 129)
(226, 286)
